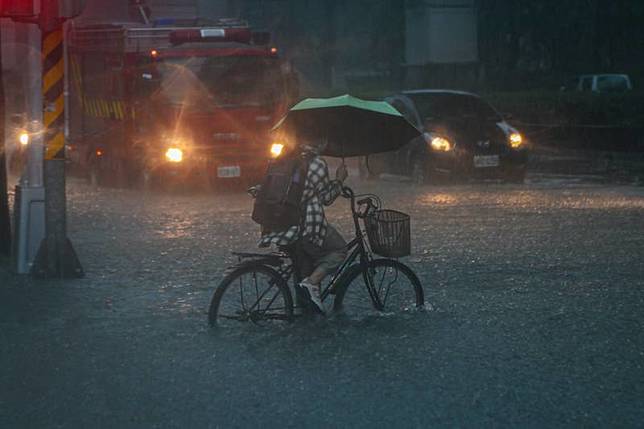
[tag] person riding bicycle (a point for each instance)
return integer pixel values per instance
(319, 246)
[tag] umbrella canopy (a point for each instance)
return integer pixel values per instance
(352, 127)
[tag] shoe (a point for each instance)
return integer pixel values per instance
(312, 292)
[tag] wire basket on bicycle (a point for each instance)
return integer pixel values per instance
(389, 233)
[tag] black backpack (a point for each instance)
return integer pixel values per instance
(278, 205)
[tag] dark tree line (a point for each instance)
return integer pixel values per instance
(326, 37)
(543, 39)
(555, 37)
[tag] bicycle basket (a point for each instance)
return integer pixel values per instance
(389, 233)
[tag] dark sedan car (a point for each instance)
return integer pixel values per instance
(463, 137)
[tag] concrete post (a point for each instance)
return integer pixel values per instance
(29, 207)
(33, 176)
(5, 227)
(56, 257)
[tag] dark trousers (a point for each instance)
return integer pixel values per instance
(329, 256)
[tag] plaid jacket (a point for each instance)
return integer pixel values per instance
(319, 191)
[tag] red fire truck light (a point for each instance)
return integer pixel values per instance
(184, 36)
(273, 50)
(17, 8)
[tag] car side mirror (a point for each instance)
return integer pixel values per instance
(148, 83)
(253, 191)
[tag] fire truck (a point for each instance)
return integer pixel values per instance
(174, 101)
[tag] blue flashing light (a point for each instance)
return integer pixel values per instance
(164, 21)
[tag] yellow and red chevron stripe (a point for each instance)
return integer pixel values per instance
(53, 70)
(103, 108)
(97, 107)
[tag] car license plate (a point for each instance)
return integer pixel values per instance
(230, 171)
(482, 161)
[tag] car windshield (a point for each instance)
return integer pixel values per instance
(220, 81)
(444, 105)
(612, 83)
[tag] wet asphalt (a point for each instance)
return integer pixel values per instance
(535, 297)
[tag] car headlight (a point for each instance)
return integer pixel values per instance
(441, 144)
(174, 154)
(516, 140)
(23, 138)
(276, 149)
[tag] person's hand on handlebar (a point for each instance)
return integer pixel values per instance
(366, 206)
(341, 173)
(254, 190)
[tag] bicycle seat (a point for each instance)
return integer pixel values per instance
(287, 250)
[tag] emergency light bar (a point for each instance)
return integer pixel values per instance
(240, 35)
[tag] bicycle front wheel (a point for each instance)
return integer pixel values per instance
(255, 293)
(388, 286)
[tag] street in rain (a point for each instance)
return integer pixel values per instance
(493, 214)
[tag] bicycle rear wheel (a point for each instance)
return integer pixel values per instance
(395, 286)
(254, 293)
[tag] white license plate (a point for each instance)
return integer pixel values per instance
(482, 161)
(232, 171)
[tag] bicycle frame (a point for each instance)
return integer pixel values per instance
(357, 249)
(357, 245)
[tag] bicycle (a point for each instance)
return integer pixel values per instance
(257, 290)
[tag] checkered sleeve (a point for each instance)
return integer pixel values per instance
(327, 190)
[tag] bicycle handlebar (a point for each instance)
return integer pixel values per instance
(371, 201)
(347, 192)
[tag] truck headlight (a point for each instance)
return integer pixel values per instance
(276, 149)
(441, 144)
(174, 154)
(23, 138)
(516, 140)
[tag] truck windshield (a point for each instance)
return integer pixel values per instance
(205, 82)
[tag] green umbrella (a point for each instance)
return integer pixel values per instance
(352, 127)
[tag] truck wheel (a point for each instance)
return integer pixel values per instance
(121, 174)
(144, 180)
(419, 172)
(92, 177)
(516, 175)
(213, 182)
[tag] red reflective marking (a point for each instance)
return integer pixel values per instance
(218, 52)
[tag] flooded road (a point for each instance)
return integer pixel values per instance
(535, 297)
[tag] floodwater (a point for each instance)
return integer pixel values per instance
(534, 292)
